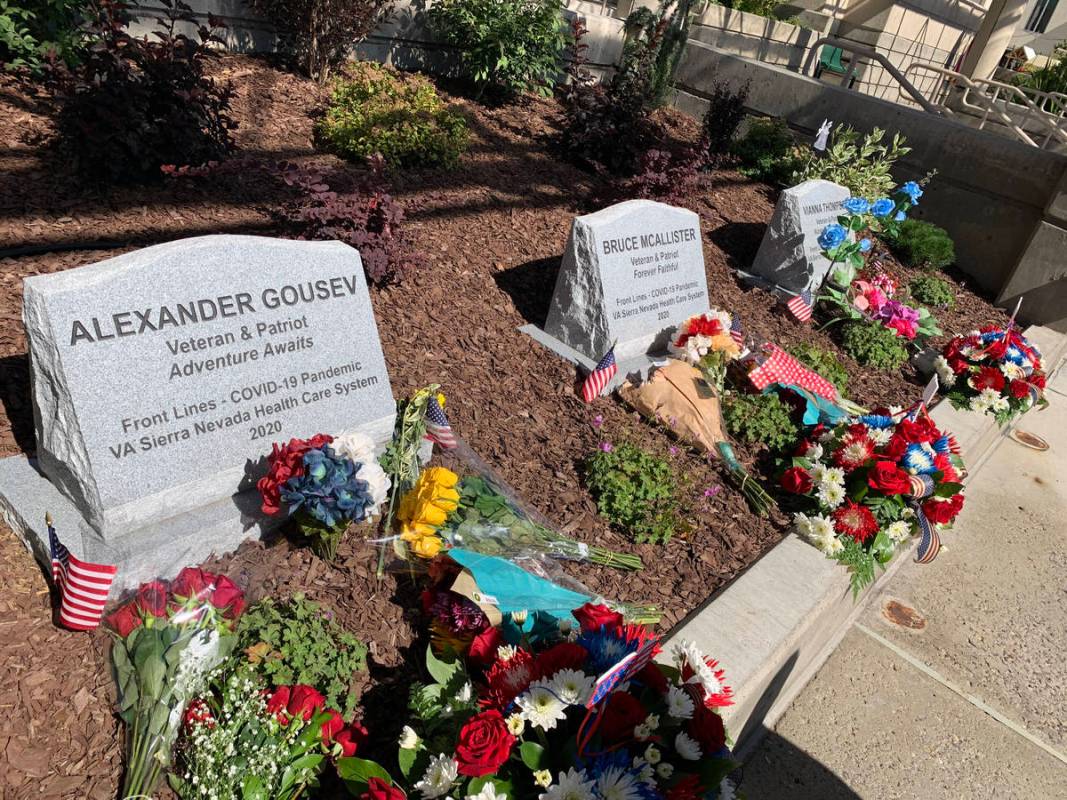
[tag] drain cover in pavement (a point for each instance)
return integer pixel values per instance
(1031, 440)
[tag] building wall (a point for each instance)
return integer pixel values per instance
(1055, 32)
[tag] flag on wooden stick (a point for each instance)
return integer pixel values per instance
(602, 373)
(82, 587)
(800, 306)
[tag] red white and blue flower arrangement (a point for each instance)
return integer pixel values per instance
(867, 486)
(543, 710)
(993, 371)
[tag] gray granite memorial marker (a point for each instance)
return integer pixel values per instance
(630, 274)
(789, 258)
(161, 378)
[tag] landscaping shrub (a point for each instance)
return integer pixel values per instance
(401, 117)
(31, 31)
(923, 244)
(665, 176)
(874, 345)
(823, 362)
(932, 291)
(294, 642)
(319, 34)
(861, 166)
(635, 491)
(726, 111)
(135, 104)
(766, 151)
(506, 46)
(657, 39)
(366, 217)
(759, 419)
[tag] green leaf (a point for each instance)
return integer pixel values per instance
(533, 755)
(406, 759)
(355, 772)
(883, 548)
(948, 489)
(713, 770)
(440, 671)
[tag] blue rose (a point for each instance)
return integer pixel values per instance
(882, 206)
(912, 190)
(900, 217)
(865, 245)
(856, 205)
(831, 236)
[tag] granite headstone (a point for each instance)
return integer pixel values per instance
(630, 274)
(162, 377)
(789, 258)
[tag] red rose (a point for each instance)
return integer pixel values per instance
(622, 713)
(943, 511)
(1019, 389)
(958, 365)
(594, 617)
(989, 378)
(888, 478)
(895, 447)
(351, 739)
(227, 597)
(276, 703)
(652, 677)
(707, 730)
(192, 582)
(152, 599)
(304, 701)
(125, 620)
(797, 480)
(483, 649)
(565, 655)
(332, 726)
(917, 430)
(484, 744)
(378, 789)
(1038, 380)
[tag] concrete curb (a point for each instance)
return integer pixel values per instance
(775, 625)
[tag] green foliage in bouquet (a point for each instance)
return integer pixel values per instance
(823, 362)
(922, 244)
(861, 166)
(874, 345)
(932, 291)
(295, 642)
(634, 490)
(402, 117)
(759, 418)
(767, 151)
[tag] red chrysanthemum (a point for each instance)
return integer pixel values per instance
(508, 679)
(856, 521)
(988, 378)
(855, 450)
(698, 326)
(943, 511)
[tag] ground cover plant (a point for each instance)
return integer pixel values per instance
(873, 345)
(932, 291)
(823, 362)
(918, 243)
(766, 151)
(635, 490)
(760, 419)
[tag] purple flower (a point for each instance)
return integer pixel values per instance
(712, 491)
(598, 420)
(673, 450)
(607, 447)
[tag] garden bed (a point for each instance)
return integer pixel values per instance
(491, 232)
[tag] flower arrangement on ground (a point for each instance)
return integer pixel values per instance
(540, 709)
(324, 484)
(994, 371)
(705, 342)
(874, 295)
(871, 484)
(244, 741)
(168, 638)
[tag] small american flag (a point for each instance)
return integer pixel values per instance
(437, 427)
(800, 306)
(737, 333)
(596, 380)
(82, 587)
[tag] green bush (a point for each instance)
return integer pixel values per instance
(401, 117)
(760, 419)
(923, 244)
(823, 362)
(933, 291)
(31, 29)
(861, 166)
(293, 641)
(766, 151)
(507, 46)
(874, 345)
(634, 490)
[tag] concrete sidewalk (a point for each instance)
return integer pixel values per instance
(953, 683)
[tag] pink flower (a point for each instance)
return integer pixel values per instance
(607, 447)
(598, 420)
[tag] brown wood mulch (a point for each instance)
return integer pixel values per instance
(492, 232)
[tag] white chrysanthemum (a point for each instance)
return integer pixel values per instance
(944, 372)
(516, 724)
(898, 531)
(818, 473)
(488, 792)
(726, 790)
(653, 755)
(647, 774)
(571, 785)
(543, 778)
(679, 703)
(616, 783)
(802, 523)
(572, 686)
(725, 318)
(829, 545)
(506, 652)
(1001, 404)
(908, 512)
(642, 732)
(821, 527)
(831, 494)
(541, 708)
(652, 721)
(978, 404)
(686, 747)
(356, 446)
(826, 435)
(409, 740)
(439, 777)
(836, 475)
(687, 653)
(520, 617)
(814, 451)
(665, 770)
(465, 693)
(895, 411)
(881, 436)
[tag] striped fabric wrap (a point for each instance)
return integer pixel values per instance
(921, 486)
(929, 541)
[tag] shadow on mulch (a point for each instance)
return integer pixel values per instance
(740, 242)
(530, 287)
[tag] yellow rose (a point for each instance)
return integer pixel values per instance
(441, 476)
(430, 514)
(426, 546)
(410, 531)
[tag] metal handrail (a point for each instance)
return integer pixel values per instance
(873, 55)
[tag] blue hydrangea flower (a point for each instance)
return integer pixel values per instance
(913, 191)
(882, 206)
(831, 236)
(328, 490)
(856, 205)
(865, 245)
(918, 460)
